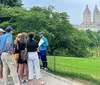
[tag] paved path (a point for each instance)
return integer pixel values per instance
(50, 79)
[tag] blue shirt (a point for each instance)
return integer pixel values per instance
(45, 44)
(6, 38)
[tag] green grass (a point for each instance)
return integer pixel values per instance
(77, 68)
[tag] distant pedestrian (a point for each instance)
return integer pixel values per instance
(43, 50)
(1, 64)
(7, 57)
(33, 60)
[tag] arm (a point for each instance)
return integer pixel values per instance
(41, 42)
(45, 44)
(37, 45)
(8, 44)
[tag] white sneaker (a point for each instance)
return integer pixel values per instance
(22, 81)
(42, 67)
(26, 81)
(45, 69)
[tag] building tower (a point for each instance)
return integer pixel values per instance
(87, 15)
(96, 15)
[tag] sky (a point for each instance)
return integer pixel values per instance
(74, 8)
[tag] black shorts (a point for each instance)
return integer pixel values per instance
(20, 61)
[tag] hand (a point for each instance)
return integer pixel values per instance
(38, 49)
(10, 52)
(0, 52)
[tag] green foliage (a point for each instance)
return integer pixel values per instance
(11, 3)
(78, 45)
(60, 33)
(93, 38)
(4, 24)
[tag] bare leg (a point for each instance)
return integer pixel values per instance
(17, 66)
(1, 72)
(21, 67)
(27, 72)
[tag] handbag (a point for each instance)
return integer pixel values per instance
(24, 54)
(16, 56)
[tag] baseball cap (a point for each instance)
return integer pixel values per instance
(41, 33)
(1, 30)
(9, 28)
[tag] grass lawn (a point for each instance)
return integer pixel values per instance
(79, 68)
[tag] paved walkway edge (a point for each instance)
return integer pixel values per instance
(59, 78)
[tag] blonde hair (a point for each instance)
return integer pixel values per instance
(19, 35)
(17, 38)
(24, 37)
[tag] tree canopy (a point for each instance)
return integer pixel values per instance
(60, 33)
(11, 3)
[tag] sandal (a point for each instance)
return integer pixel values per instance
(42, 83)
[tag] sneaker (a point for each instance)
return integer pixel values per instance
(22, 81)
(26, 80)
(45, 69)
(42, 67)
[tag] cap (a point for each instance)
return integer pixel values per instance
(1, 30)
(41, 33)
(9, 28)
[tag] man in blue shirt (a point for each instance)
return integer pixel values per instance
(1, 65)
(43, 49)
(7, 57)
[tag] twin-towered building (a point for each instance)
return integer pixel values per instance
(89, 22)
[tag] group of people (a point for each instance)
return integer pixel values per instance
(22, 56)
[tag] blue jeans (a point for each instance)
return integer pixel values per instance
(43, 56)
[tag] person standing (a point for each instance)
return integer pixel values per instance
(1, 64)
(23, 66)
(33, 60)
(16, 50)
(43, 50)
(9, 64)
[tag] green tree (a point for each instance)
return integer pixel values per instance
(93, 38)
(79, 44)
(60, 33)
(11, 3)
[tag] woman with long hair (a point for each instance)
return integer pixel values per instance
(16, 49)
(33, 60)
(23, 66)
